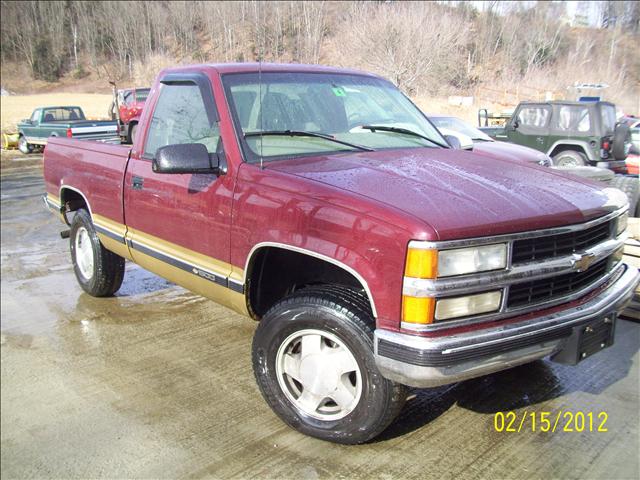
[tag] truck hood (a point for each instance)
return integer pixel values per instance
(457, 193)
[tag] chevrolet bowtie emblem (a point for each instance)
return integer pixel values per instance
(582, 262)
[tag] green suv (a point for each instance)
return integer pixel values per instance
(571, 133)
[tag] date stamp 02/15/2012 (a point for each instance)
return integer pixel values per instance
(560, 421)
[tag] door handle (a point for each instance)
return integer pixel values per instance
(137, 182)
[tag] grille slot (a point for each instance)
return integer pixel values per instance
(551, 288)
(539, 248)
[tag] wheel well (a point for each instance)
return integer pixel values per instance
(274, 273)
(564, 147)
(71, 201)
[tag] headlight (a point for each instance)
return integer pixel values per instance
(472, 260)
(447, 308)
(621, 224)
(428, 263)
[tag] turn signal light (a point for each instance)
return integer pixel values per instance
(418, 309)
(421, 263)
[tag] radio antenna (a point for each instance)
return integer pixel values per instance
(260, 54)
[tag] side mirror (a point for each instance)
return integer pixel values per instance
(459, 141)
(453, 141)
(186, 158)
(512, 126)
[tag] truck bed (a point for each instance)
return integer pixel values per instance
(94, 168)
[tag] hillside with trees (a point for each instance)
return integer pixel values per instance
(429, 49)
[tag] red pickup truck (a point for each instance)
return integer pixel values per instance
(130, 104)
(323, 204)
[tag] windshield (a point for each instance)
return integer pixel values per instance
(457, 125)
(334, 105)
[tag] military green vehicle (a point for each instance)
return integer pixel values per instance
(571, 133)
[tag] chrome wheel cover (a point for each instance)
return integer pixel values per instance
(319, 374)
(84, 253)
(567, 161)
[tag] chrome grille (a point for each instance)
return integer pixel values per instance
(546, 289)
(539, 248)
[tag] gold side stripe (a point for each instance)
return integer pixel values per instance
(182, 254)
(200, 262)
(108, 224)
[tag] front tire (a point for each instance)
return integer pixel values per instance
(99, 271)
(569, 158)
(24, 146)
(313, 362)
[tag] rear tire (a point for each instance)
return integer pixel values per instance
(99, 271)
(569, 158)
(631, 188)
(314, 364)
(24, 146)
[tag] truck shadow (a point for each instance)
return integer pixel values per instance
(521, 387)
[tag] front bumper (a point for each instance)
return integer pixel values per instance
(432, 361)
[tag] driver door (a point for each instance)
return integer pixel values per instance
(179, 224)
(529, 126)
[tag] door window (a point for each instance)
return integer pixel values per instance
(36, 116)
(180, 117)
(535, 117)
(608, 119)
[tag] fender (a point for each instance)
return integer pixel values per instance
(579, 143)
(310, 253)
(64, 187)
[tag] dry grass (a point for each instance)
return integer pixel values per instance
(17, 107)
(14, 108)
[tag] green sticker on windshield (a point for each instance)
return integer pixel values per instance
(339, 92)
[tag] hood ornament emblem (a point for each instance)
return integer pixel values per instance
(580, 263)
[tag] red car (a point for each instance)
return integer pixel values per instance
(323, 204)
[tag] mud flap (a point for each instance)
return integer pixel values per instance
(586, 340)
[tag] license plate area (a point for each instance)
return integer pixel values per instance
(586, 340)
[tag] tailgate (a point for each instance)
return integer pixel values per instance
(95, 131)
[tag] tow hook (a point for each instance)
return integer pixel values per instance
(65, 233)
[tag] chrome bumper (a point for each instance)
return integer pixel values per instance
(432, 361)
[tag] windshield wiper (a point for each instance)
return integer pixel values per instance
(301, 133)
(404, 131)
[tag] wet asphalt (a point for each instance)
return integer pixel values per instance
(157, 383)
